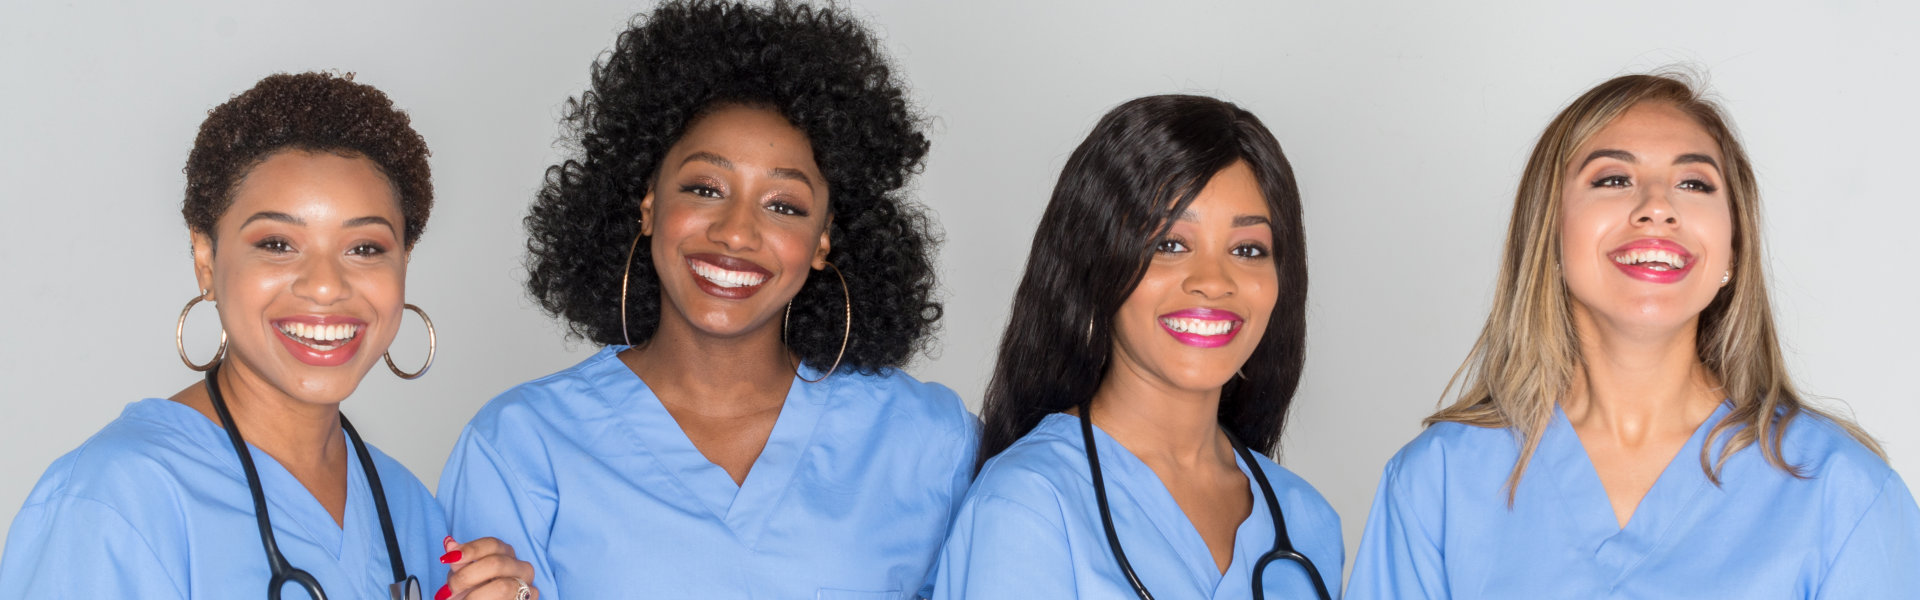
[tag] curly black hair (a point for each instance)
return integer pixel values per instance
(826, 74)
(313, 112)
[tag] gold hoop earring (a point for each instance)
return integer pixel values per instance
(624, 274)
(845, 334)
(180, 337)
(432, 344)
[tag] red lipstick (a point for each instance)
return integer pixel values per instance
(321, 340)
(1653, 260)
(1202, 327)
(727, 277)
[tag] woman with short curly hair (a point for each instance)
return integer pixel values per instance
(305, 196)
(733, 232)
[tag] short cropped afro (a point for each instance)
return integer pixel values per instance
(827, 75)
(312, 112)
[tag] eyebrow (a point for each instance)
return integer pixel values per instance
(268, 215)
(371, 220)
(1629, 158)
(1238, 220)
(722, 162)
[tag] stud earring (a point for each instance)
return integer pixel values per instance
(1726, 277)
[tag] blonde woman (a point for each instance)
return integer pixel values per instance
(1627, 428)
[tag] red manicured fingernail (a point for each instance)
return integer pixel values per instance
(447, 542)
(450, 557)
(443, 594)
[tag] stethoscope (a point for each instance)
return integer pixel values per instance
(405, 587)
(1282, 545)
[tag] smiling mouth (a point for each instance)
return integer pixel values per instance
(321, 337)
(725, 278)
(1206, 327)
(1652, 258)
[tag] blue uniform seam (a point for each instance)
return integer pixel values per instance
(144, 543)
(1827, 566)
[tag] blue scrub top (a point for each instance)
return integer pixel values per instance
(592, 480)
(1441, 527)
(1030, 528)
(156, 505)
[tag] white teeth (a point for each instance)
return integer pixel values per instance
(1198, 326)
(1669, 259)
(724, 278)
(320, 337)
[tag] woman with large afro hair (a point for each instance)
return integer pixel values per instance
(732, 230)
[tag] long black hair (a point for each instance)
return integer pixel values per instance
(1145, 161)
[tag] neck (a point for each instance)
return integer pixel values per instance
(729, 375)
(1639, 384)
(301, 436)
(1160, 423)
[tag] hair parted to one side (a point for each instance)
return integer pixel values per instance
(1144, 162)
(823, 72)
(1527, 356)
(311, 112)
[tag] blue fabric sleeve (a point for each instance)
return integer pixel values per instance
(1881, 556)
(485, 497)
(70, 547)
(1399, 555)
(1001, 549)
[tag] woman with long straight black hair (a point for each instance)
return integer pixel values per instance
(1153, 350)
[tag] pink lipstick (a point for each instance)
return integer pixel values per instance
(1653, 260)
(321, 340)
(1202, 327)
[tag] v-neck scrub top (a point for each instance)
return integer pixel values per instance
(1441, 527)
(591, 479)
(1030, 528)
(156, 505)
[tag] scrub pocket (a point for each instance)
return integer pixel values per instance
(833, 594)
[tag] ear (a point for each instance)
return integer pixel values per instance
(203, 261)
(826, 245)
(646, 214)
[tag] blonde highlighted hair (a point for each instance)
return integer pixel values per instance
(1526, 358)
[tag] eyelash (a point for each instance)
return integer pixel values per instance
(785, 208)
(701, 190)
(274, 245)
(1248, 250)
(1620, 181)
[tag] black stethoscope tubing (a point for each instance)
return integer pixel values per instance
(1282, 544)
(283, 571)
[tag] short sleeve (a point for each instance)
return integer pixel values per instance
(1400, 555)
(485, 497)
(1001, 549)
(71, 547)
(1881, 556)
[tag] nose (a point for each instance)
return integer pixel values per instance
(736, 227)
(1655, 208)
(1210, 278)
(321, 282)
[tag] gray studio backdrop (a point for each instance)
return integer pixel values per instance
(1407, 124)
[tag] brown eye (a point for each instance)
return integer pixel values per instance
(1696, 185)
(1613, 181)
(1169, 246)
(1251, 251)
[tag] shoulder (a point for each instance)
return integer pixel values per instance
(128, 460)
(1295, 493)
(570, 394)
(1446, 443)
(901, 399)
(1035, 470)
(1823, 449)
